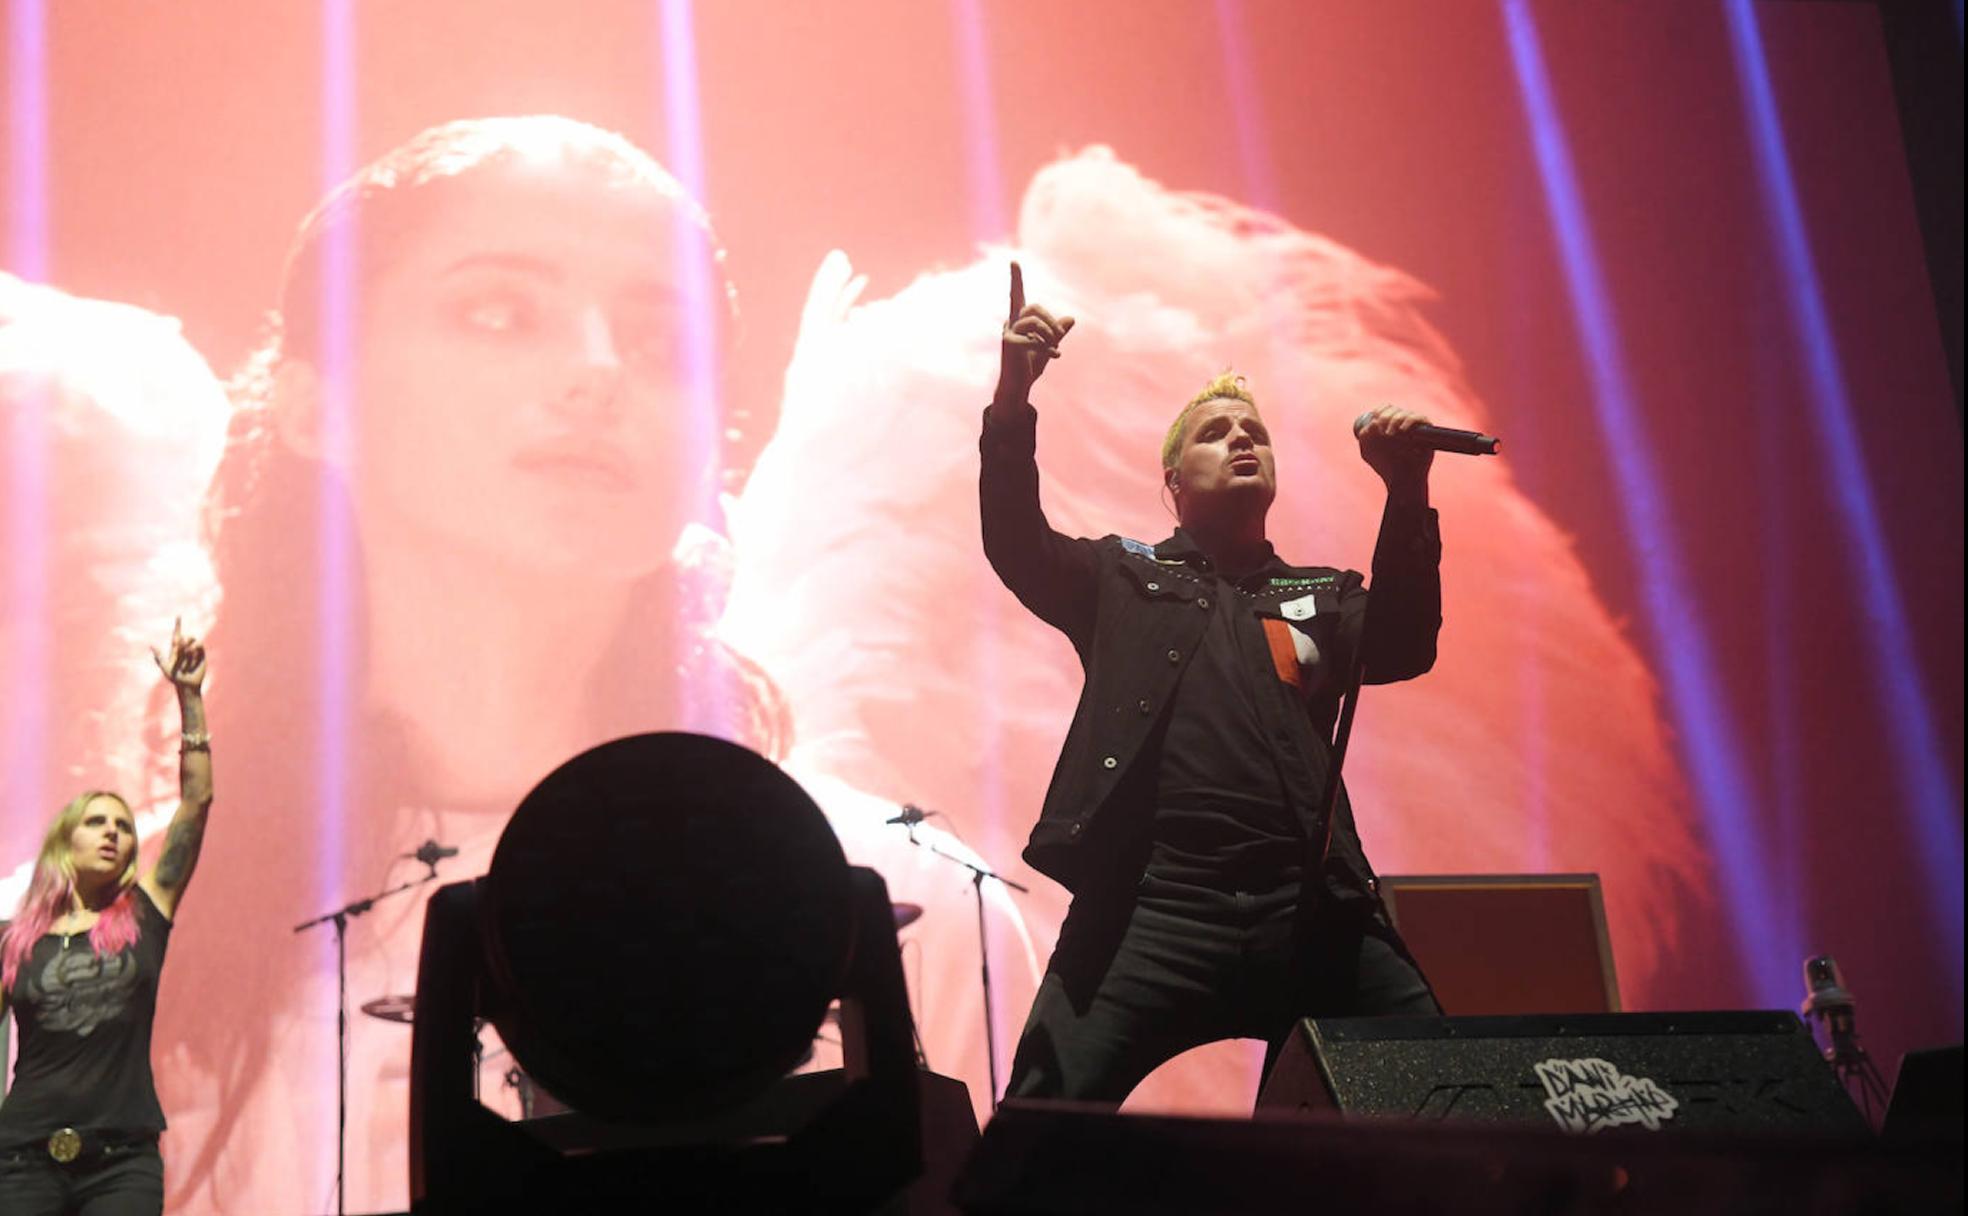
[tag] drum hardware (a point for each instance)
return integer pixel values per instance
(401, 1008)
(833, 1019)
(534, 1102)
(906, 914)
(398, 1007)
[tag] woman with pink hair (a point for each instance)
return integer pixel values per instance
(81, 962)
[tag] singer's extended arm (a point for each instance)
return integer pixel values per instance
(1053, 575)
(1397, 620)
(165, 881)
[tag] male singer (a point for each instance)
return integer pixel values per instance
(1211, 900)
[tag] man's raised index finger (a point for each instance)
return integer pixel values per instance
(1017, 291)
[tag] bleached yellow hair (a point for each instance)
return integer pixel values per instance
(1229, 385)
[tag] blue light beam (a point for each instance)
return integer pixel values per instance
(1927, 791)
(1767, 948)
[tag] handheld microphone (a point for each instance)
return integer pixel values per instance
(1442, 439)
(911, 815)
(430, 852)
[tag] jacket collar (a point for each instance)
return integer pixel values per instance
(1182, 547)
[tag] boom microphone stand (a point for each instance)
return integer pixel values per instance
(340, 918)
(913, 815)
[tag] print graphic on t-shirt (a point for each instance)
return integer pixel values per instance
(1301, 610)
(80, 991)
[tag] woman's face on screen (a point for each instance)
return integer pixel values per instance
(524, 387)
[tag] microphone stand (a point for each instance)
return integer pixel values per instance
(340, 918)
(977, 876)
(1827, 1001)
(1336, 757)
(1355, 677)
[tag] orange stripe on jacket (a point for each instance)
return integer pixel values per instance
(1284, 656)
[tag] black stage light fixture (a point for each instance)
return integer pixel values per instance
(664, 924)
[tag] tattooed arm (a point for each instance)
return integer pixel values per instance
(165, 882)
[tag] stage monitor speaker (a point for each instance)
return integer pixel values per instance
(1733, 1071)
(1507, 943)
(1926, 1103)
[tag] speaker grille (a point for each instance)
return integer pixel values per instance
(1587, 1073)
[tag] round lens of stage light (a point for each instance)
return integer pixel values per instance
(665, 921)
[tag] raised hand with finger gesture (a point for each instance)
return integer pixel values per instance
(185, 666)
(1030, 340)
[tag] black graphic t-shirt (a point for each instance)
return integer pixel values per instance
(85, 1035)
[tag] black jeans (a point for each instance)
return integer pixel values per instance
(1137, 981)
(125, 1180)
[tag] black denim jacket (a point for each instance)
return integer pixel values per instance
(1131, 612)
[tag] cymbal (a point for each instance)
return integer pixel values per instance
(392, 1008)
(906, 914)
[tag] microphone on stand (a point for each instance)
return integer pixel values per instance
(1442, 439)
(430, 853)
(1828, 1002)
(911, 815)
